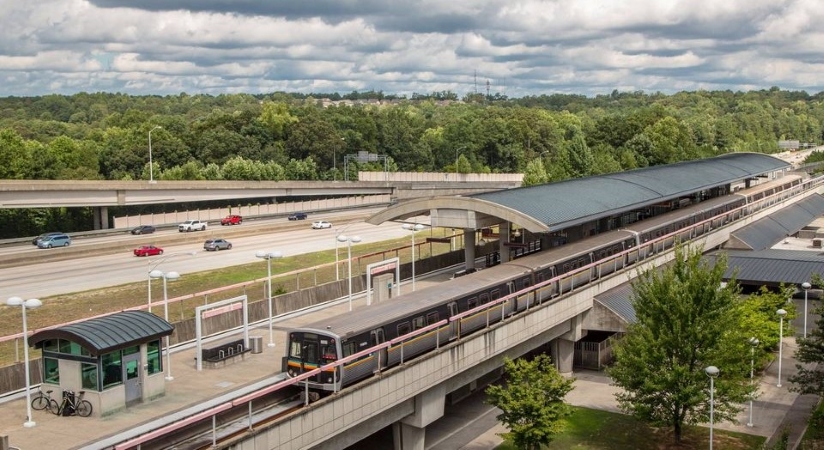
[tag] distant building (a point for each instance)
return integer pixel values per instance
(789, 145)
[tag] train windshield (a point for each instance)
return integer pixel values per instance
(312, 348)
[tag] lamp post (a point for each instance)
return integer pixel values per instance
(753, 344)
(31, 303)
(269, 256)
(712, 372)
(781, 313)
(413, 229)
(166, 276)
(806, 286)
(349, 241)
(151, 168)
(156, 263)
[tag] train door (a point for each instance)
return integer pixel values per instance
(305, 352)
(377, 338)
(453, 325)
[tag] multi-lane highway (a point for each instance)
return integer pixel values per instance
(43, 279)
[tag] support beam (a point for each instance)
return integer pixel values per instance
(469, 247)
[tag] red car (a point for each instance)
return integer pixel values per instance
(148, 250)
(232, 219)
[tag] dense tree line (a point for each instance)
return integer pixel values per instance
(306, 137)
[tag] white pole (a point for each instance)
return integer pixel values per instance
(781, 313)
(753, 343)
(29, 422)
(169, 376)
(349, 248)
(269, 274)
(149, 292)
(337, 273)
(413, 259)
(151, 167)
(806, 286)
(712, 388)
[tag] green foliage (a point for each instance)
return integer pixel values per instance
(686, 321)
(532, 401)
(759, 319)
(810, 376)
(535, 173)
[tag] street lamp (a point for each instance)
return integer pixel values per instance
(151, 168)
(781, 313)
(753, 344)
(166, 276)
(712, 372)
(31, 303)
(156, 263)
(269, 256)
(349, 241)
(413, 229)
(806, 286)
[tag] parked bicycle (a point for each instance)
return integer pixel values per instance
(44, 400)
(74, 404)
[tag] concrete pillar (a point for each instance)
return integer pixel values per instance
(408, 437)
(563, 352)
(469, 248)
(95, 218)
(104, 217)
(505, 229)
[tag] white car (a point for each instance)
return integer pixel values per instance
(321, 224)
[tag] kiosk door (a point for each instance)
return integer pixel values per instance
(131, 377)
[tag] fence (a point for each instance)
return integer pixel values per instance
(432, 177)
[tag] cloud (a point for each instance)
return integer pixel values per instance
(522, 47)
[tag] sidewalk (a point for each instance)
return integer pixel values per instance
(775, 409)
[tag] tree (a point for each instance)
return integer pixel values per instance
(532, 401)
(686, 320)
(535, 173)
(810, 379)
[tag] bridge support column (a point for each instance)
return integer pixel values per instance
(563, 348)
(409, 432)
(503, 239)
(100, 218)
(469, 248)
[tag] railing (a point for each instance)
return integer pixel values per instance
(534, 295)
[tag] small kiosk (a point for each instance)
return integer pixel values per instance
(116, 359)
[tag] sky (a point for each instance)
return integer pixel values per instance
(515, 48)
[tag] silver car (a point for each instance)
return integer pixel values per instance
(59, 240)
(217, 244)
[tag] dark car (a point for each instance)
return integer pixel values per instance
(298, 216)
(143, 229)
(44, 236)
(217, 244)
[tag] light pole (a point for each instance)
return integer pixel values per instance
(781, 313)
(806, 286)
(753, 344)
(156, 263)
(349, 241)
(166, 276)
(413, 229)
(712, 372)
(456, 157)
(151, 168)
(269, 256)
(31, 303)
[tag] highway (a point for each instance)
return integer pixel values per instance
(40, 280)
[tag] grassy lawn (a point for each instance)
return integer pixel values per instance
(591, 429)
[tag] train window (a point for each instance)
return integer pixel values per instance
(417, 323)
(484, 298)
(525, 283)
(432, 318)
(328, 353)
(403, 328)
(310, 352)
(349, 348)
(471, 303)
(539, 277)
(495, 294)
(294, 349)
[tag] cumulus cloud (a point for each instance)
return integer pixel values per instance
(522, 47)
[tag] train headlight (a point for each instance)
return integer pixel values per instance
(291, 372)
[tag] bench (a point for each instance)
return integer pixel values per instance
(224, 351)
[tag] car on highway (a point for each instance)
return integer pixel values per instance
(192, 225)
(321, 224)
(143, 229)
(212, 245)
(45, 235)
(57, 240)
(298, 216)
(232, 219)
(148, 250)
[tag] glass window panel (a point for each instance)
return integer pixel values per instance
(89, 375)
(51, 371)
(112, 369)
(153, 357)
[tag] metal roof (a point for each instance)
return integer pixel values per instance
(771, 267)
(618, 301)
(109, 333)
(572, 202)
(764, 233)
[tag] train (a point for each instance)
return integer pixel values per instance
(328, 340)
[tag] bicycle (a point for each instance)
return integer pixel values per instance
(74, 405)
(44, 401)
